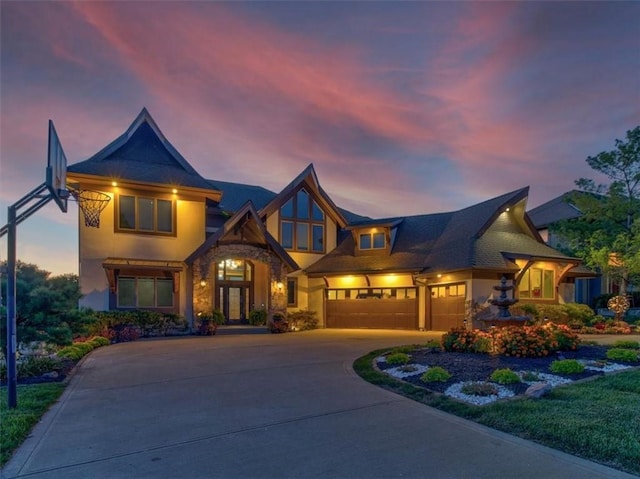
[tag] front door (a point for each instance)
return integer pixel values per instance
(234, 302)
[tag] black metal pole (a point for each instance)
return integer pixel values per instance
(12, 373)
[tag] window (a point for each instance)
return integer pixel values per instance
(292, 292)
(145, 215)
(372, 293)
(234, 270)
(145, 292)
(302, 224)
(372, 241)
(537, 283)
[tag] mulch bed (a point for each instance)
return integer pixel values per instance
(478, 367)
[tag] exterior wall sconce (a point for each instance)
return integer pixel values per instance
(279, 286)
(203, 282)
(174, 191)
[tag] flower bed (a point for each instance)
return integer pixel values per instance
(477, 367)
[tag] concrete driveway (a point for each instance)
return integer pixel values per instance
(264, 406)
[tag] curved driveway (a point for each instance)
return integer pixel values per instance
(264, 406)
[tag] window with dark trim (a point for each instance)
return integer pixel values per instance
(292, 292)
(369, 241)
(144, 292)
(142, 214)
(302, 224)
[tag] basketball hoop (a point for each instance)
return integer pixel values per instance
(91, 203)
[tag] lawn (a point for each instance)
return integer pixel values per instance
(33, 401)
(598, 420)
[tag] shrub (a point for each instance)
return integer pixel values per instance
(433, 343)
(626, 344)
(70, 352)
(435, 374)
(504, 376)
(99, 341)
(303, 320)
(258, 317)
(85, 347)
(463, 340)
(36, 366)
(524, 341)
(397, 358)
(566, 366)
(566, 339)
(619, 354)
(479, 389)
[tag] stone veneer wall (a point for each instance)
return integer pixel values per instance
(204, 269)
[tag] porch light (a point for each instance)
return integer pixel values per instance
(114, 183)
(174, 191)
(279, 286)
(203, 282)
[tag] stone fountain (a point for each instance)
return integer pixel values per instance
(503, 302)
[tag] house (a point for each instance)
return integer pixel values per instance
(173, 241)
(588, 285)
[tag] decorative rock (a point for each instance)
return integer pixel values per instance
(51, 375)
(537, 390)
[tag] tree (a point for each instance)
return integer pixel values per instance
(46, 306)
(607, 235)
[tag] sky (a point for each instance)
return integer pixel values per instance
(403, 107)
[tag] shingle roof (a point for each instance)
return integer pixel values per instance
(235, 195)
(142, 154)
(442, 242)
(554, 210)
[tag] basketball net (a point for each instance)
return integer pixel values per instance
(91, 203)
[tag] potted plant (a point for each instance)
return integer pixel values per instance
(209, 322)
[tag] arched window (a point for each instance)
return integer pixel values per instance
(302, 224)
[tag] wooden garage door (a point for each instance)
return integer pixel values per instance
(357, 309)
(447, 306)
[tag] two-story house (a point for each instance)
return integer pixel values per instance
(171, 240)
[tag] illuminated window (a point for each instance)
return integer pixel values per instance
(302, 224)
(145, 292)
(372, 241)
(140, 214)
(234, 270)
(537, 283)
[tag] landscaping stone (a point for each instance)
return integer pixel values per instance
(538, 390)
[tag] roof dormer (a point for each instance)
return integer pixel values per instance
(374, 238)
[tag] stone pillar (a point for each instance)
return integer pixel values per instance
(278, 286)
(203, 284)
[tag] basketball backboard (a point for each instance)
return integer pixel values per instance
(57, 170)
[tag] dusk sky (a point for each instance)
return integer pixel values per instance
(402, 107)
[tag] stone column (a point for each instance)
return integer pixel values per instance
(278, 286)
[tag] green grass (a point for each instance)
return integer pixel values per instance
(598, 420)
(33, 402)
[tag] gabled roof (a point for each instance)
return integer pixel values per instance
(557, 209)
(450, 241)
(309, 178)
(142, 154)
(244, 213)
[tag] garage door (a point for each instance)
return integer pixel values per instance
(372, 308)
(447, 306)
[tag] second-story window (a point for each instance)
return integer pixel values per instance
(372, 241)
(302, 224)
(142, 214)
